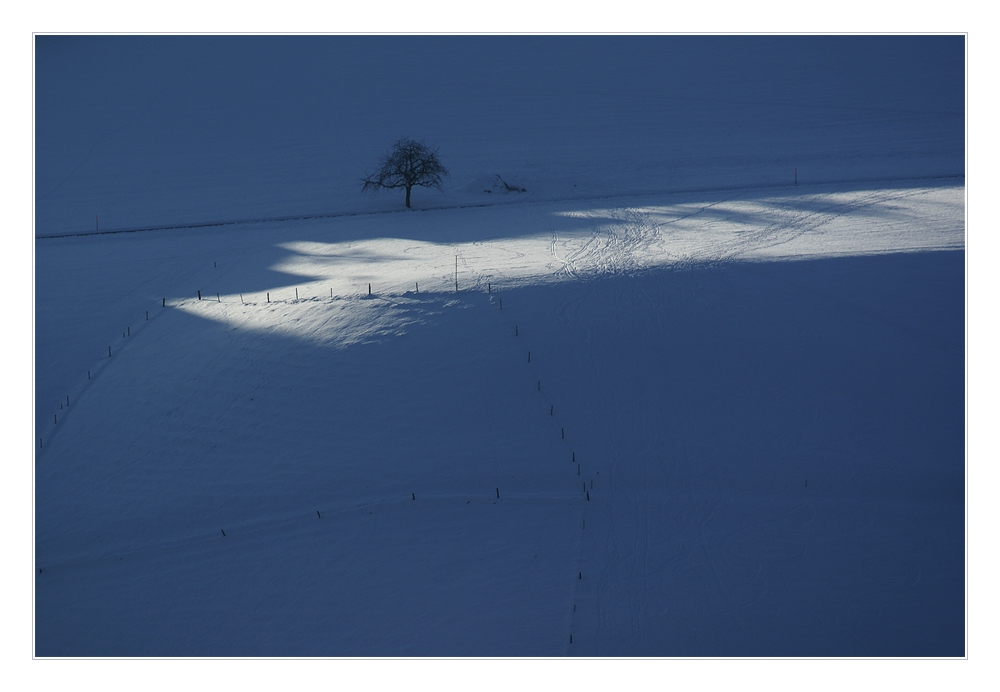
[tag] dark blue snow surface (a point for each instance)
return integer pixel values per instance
(785, 440)
(796, 465)
(774, 454)
(160, 130)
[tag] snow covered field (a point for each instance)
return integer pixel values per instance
(677, 405)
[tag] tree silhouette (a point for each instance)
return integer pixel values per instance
(408, 164)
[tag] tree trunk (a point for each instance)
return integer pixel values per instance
(408, 196)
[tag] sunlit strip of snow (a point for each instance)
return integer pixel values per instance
(408, 277)
(857, 223)
(337, 322)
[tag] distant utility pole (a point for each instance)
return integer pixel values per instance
(456, 273)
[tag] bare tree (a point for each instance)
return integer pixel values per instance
(409, 164)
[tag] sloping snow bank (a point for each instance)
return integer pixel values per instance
(653, 428)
